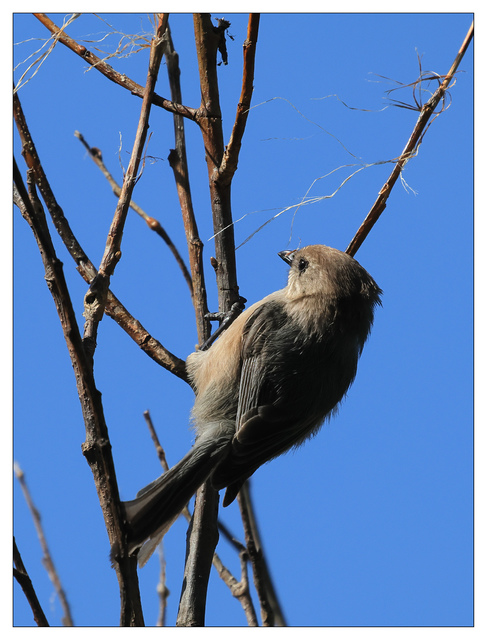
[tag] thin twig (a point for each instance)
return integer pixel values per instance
(239, 589)
(41, 59)
(179, 164)
(23, 578)
(409, 151)
(47, 560)
(232, 150)
(161, 454)
(269, 605)
(118, 78)
(271, 610)
(162, 590)
(152, 223)
(114, 240)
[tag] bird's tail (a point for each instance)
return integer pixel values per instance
(157, 505)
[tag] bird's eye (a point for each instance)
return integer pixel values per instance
(302, 264)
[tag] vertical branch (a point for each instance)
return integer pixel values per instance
(209, 119)
(202, 538)
(179, 164)
(162, 590)
(230, 157)
(270, 607)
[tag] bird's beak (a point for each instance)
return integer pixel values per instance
(287, 256)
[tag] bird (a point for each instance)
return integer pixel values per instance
(267, 384)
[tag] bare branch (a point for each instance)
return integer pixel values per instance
(161, 454)
(271, 611)
(22, 577)
(239, 590)
(47, 560)
(114, 240)
(179, 164)
(232, 150)
(110, 73)
(201, 542)
(162, 590)
(409, 151)
(209, 119)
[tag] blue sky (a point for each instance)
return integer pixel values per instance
(371, 522)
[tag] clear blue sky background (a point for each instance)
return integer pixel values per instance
(371, 523)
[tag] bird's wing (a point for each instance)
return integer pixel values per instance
(268, 422)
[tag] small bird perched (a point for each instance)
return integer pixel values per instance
(266, 385)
